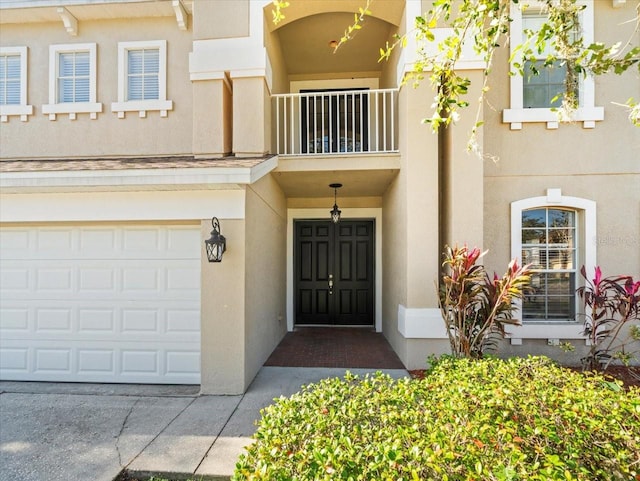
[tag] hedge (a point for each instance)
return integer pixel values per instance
(488, 419)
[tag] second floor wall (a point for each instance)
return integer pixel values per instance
(105, 125)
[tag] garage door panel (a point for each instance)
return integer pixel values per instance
(101, 279)
(161, 321)
(101, 242)
(101, 362)
(100, 303)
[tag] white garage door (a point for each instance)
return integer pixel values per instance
(100, 303)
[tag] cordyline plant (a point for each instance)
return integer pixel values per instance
(474, 306)
(610, 304)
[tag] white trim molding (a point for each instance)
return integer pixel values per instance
(122, 206)
(22, 109)
(161, 104)
(421, 323)
(55, 107)
(586, 243)
(587, 113)
(69, 21)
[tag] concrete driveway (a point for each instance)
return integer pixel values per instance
(85, 432)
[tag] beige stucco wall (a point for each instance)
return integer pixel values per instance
(265, 277)
(410, 223)
(107, 135)
(212, 117)
(251, 116)
(220, 19)
(223, 313)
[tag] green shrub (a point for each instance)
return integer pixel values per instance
(489, 419)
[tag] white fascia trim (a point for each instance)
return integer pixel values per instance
(122, 206)
(421, 323)
(32, 181)
(347, 213)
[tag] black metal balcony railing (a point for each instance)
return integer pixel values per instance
(336, 122)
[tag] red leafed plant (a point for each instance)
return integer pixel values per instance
(610, 304)
(474, 306)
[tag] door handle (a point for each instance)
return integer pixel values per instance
(330, 283)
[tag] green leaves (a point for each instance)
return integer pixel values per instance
(486, 419)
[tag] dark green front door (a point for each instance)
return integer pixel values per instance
(334, 272)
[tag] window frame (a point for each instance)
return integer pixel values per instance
(586, 255)
(122, 106)
(23, 110)
(546, 248)
(55, 107)
(587, 112)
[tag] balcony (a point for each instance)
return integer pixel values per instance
(336, 122)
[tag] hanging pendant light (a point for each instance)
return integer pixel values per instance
(335, 212)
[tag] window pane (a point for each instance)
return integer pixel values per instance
(135, 61)
(134, 88)
(65, 90)
(561, 259)
(534, 236)
(12, 90)
(151, 87)
(540, 90)
(13, 67)
(548, 245)
(10, 86)
(151, 61)
(82, 64)
(65, 68)
(561, 218)
(534, 218)
(82, 90)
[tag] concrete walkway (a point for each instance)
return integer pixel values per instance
(82, 432)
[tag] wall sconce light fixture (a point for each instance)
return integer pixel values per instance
(335, 212)
(216, 244)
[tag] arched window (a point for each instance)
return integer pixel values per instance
(555, 234)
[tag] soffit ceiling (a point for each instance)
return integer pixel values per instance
(306, 50)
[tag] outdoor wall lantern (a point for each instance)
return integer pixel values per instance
(216, 244)
(335, 212)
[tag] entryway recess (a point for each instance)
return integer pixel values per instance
(334, 267)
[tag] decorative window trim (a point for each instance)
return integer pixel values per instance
(142, 106)
(585, 243)
(54, 108)
(22, 110)
(587, 113)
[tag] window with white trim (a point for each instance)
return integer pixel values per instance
(549, 246)
(534, 97)
(555, 234)
(13, 83)
(142, 78)
(546, 89)
(72, 81)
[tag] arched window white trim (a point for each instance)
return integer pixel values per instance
(585, 244)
